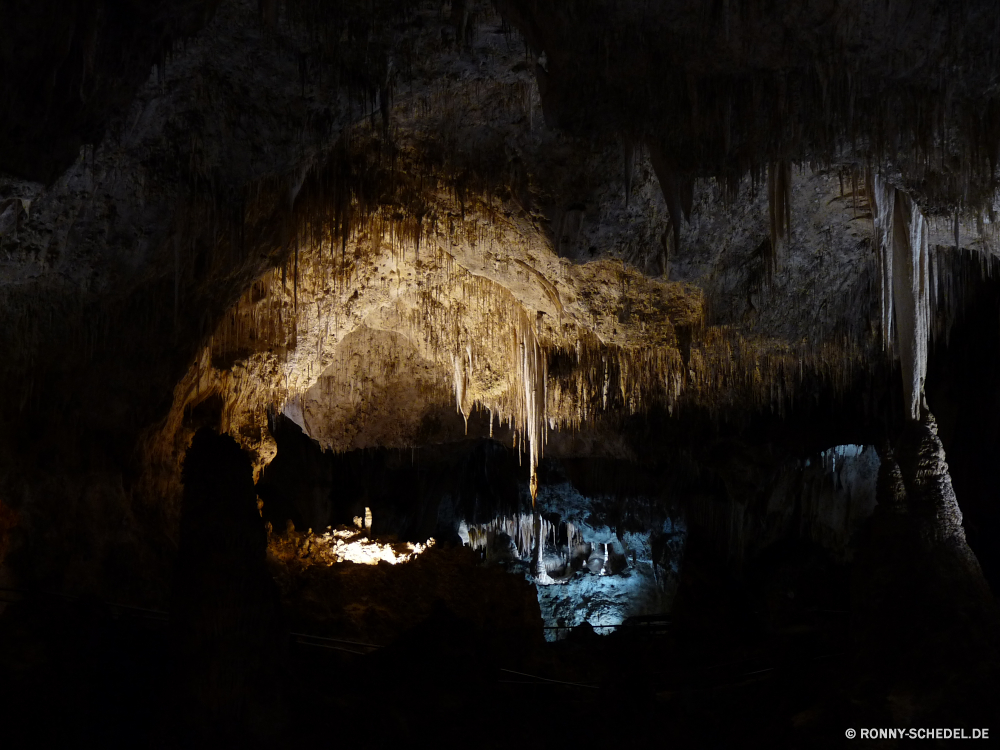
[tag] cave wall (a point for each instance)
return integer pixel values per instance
(67, 71)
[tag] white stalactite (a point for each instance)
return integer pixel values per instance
(902, 235)
(461, 388)
(534, 378)
(531, 535)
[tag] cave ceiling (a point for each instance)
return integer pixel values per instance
(402, 222)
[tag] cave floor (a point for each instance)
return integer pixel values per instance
(461, 662)
(71, 673)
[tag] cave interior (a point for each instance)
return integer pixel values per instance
(374, 368)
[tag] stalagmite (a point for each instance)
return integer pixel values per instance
(538, 540)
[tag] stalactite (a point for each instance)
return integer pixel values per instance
(534, 379)
(902, 234)
(779, 203)
(463, 323)
(461, 384)
(628, 149)
(532, 535)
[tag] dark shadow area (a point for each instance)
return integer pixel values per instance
(785, 648)
(962, 377)
(412, 494)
